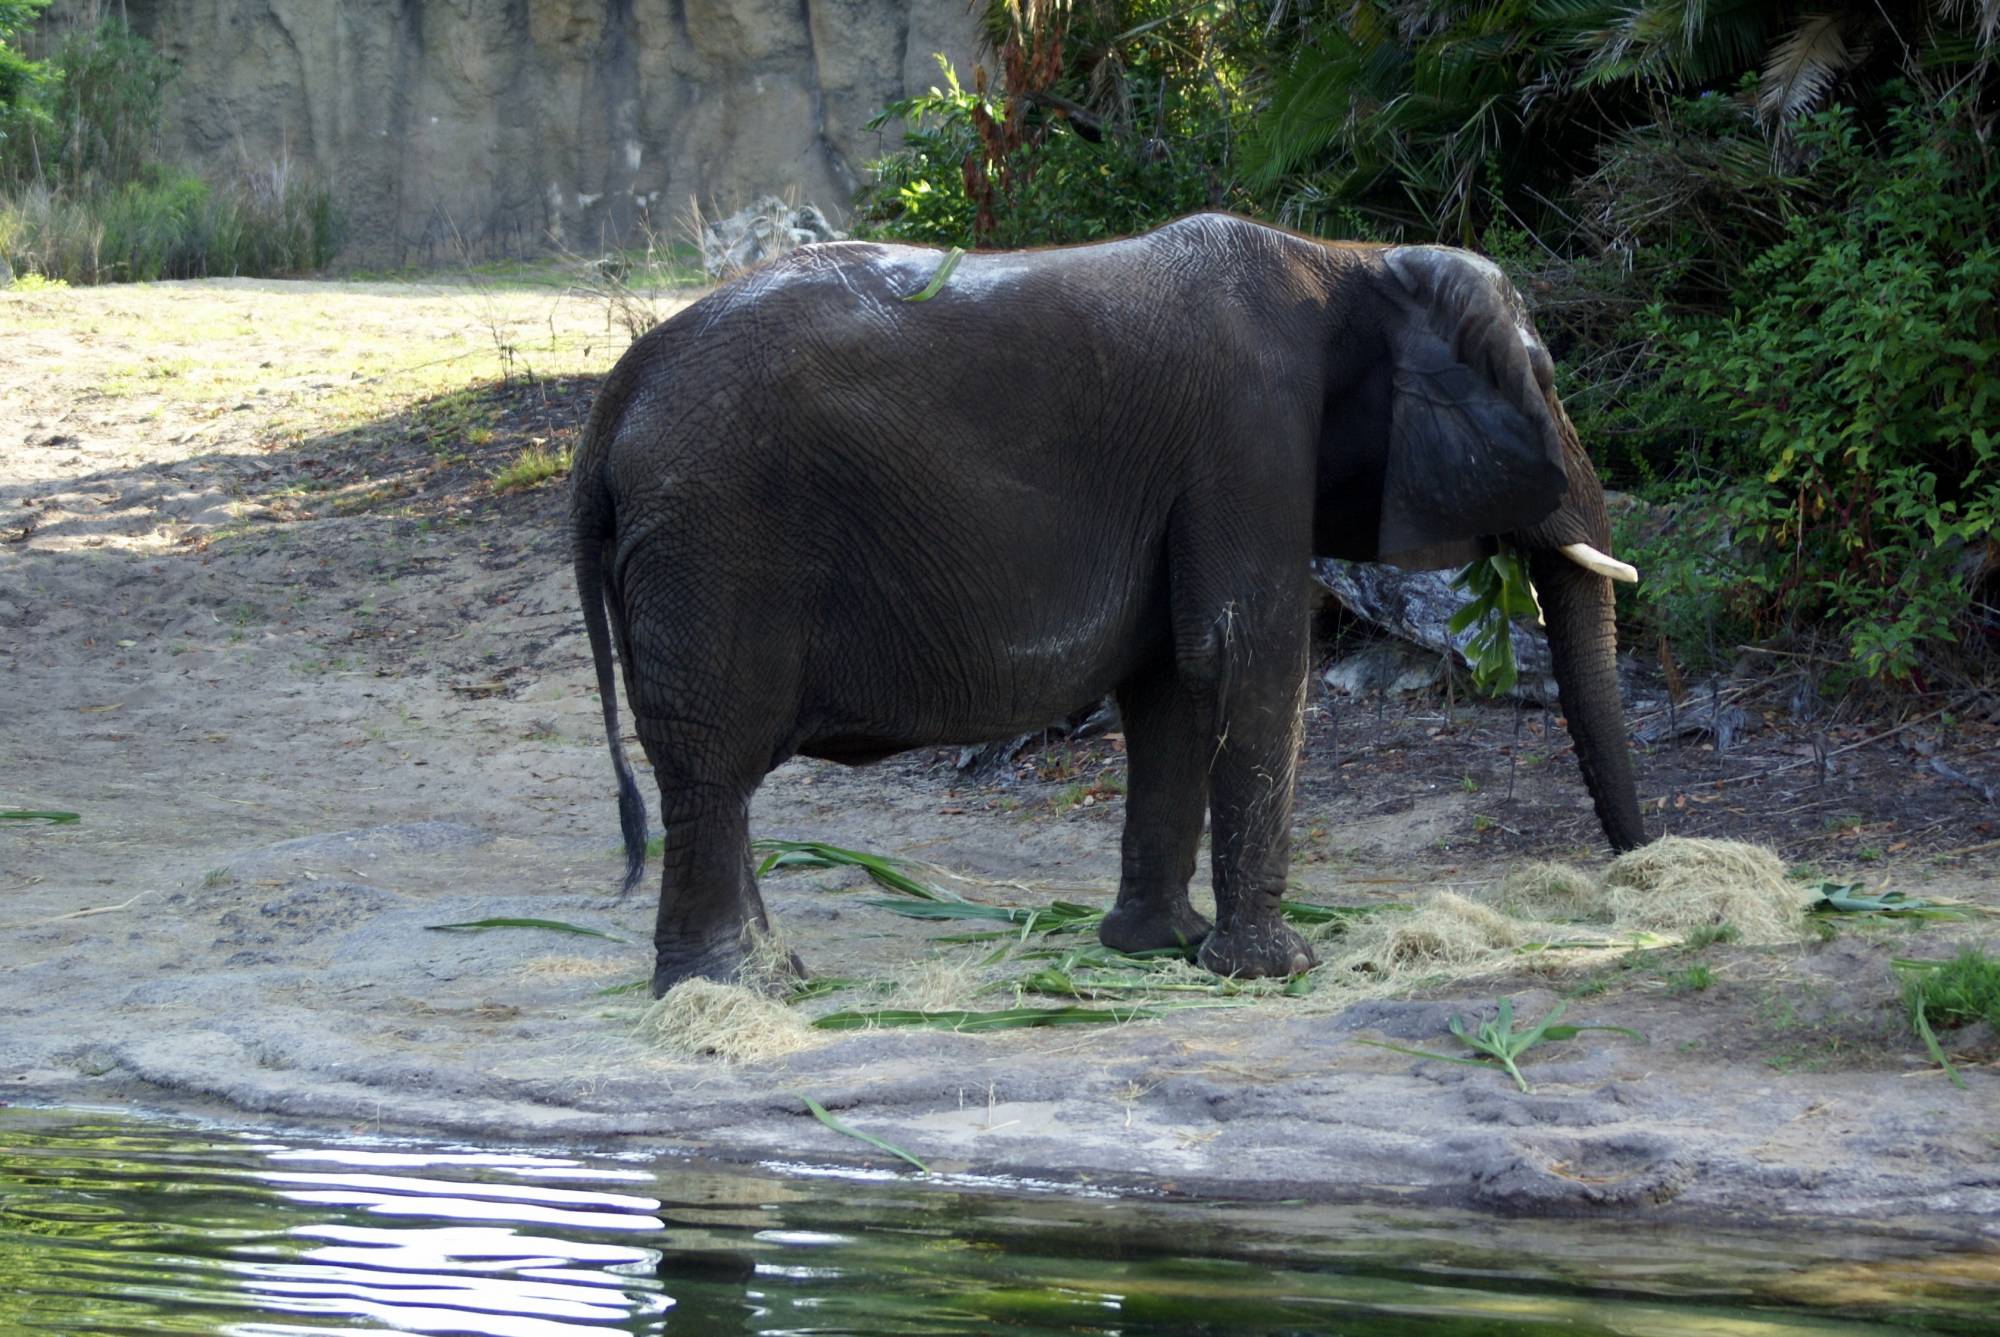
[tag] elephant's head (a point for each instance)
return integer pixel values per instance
(1445, 435)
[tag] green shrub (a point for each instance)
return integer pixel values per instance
(1078, 190)
(1850, 404)
(94, 117)
(1109, 116)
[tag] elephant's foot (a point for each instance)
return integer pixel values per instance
(1262, 950)
(1136, 927)
(749, 959)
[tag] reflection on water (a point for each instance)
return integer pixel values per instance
(119, 1226)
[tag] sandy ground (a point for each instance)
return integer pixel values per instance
(314, 686)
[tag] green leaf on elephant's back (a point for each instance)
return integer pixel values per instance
(936, 285)
(33, 815)
(549, 925)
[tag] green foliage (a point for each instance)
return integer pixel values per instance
(1850, 401)
(20, 77)
(1956, 992)
(1442, 119)
(94, 116)
(1849, 898)
(546, 925)
(1126, 122)
(1497, 592)
(1693, 979)
(86, 198)
(533, 466)
(884, 870)
(169, 226)
(1498, 1040)
(1079, 190)
(999, 1019)
(819, 1112)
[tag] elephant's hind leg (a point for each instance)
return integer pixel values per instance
(710, 912)
(1165, 797)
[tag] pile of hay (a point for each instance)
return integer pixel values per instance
(703, 1019)
(1675, 885)
(1667, 889)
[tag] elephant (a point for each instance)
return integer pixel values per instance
(835, 509)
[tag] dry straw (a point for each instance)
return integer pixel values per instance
(1677, 884)
(703, 1019)
(1665, 890)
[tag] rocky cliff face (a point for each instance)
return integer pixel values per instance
(490, 127)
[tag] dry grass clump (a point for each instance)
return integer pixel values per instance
(944, 983)
(704, 1019)
(1552, 891)
(576, 967)
(1447, 934)
(1669, 888)
(1678, 883)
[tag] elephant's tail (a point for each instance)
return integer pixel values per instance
(593, 525)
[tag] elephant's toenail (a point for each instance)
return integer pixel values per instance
(1301, 963)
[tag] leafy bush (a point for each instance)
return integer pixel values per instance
(1850, 404)
(94, 115)
(1077, 190)
(1109, 116)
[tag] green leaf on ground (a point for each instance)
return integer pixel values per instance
(1849, 898)
(1002, 1019)
(550, 925)
(1498, 1040)
(819, 1112)
(886, 872)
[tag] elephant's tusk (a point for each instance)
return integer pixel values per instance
(1536, 595)
(1590, 559)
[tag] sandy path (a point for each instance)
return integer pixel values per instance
(313, 687)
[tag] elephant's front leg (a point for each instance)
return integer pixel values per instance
(1166, 791)
(709, 906)
(1255, 757)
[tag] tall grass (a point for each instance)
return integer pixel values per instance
(86, 195)
(175, 226)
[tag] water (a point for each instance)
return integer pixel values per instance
(115, 1225)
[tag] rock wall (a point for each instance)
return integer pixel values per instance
(452, 128)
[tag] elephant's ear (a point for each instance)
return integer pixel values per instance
(1473, 448)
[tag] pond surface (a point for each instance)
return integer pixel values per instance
(115, 1225)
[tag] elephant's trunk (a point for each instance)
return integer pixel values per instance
(1583, 643)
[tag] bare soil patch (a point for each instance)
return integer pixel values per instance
(314, 685)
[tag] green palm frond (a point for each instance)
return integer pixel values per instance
(1676, 42)
(1983, 15)
(1804, 65)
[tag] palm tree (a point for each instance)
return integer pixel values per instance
(1419, 111)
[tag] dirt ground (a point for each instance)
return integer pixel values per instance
(313, 685)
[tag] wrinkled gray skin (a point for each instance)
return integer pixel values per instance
(817, 519)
